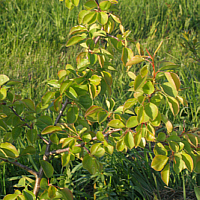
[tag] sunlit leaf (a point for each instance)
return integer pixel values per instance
(165, 174)
(159, 162)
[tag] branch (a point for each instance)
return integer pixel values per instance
(47, 152)
(31, 171)
(22, 119)
(108, 133)
(59, 151)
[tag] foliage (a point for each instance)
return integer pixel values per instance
(85, 130)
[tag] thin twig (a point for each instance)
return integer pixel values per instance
(108, 133)
(59, 151)
(46, 155)
(19, 117)
(22, 119)
(31, 171)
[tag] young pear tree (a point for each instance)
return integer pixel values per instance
(62, 123)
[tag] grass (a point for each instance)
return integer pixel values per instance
(33, 35)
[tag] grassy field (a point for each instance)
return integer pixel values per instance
(33, 35)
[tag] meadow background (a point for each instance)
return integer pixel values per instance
(33, 36)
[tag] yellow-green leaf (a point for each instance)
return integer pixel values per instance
(165, 174)
(159, 162)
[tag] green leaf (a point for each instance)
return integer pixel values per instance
(168, 66)
(173, 79)
(120, 145)
(116, 18)
(66, 194)
(135, 60)
(16, 131)
(107, 77)
(72, 114)
(96, 80)
(100, 152)
(28, 195)
(159, 162)
(52, 191)
(169, 89)
(165, 174)
(197, 192)
(174, 146)
(137, 138)
(43, 183)
(148, 88)
(3, 93)
(90, 164)
(139, 82)
(9, 150)
(47, 168)
(29, 103)
(157, 120)
(129, 140)
(3, 79)
(10, 197)
(116, 123)
(102, 18)
(173, 104)
(76, 39)
(65, 85)
(51, 129)
(47, 97)
(28, 151)
(66, 141)
(75, 2)
(129, 104)
(65, 158)
(89, 18)
(109, 149)
(86, 137)
(90, 5)
(168, 124)
(104, 5)
(100, 136)
(161, 137)
(54, 138)
(71, 93)
(31, 135)
(94, 148)
(132, 122)
(102, 116)
(151, 110)
(178, 163)
(159, 149)
(188, 161)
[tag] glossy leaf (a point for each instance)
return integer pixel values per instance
(159, 162)
(3, 79)
(173, 79)
(174, 105)
(76, 39)
(148, 88)
(104, 5)
(102, 18)
(65, 158)
(169, 89)
(188, 161)
(139, 82)
(129, 140)
(116, 123)
(120, 145)
(47, 168)
(47, 97)
(132, 122)
(90, 4)
(151, 110)
(9, 149)
(90, 164)
(135, 60)
(72, 114)
(52, 191)
(66, 194)
(165, 174)
(51, 129)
